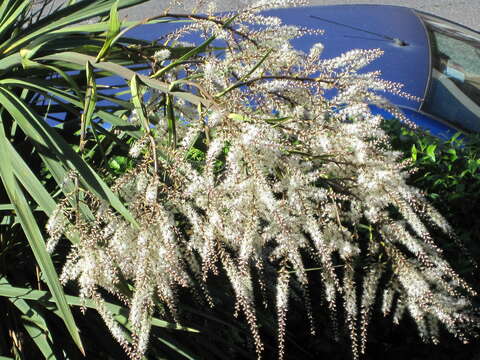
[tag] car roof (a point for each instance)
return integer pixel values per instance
(350, 27)
(371, 27)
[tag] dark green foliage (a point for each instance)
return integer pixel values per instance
(448, 171)
(37, 318)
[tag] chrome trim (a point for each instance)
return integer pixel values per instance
(446, 20)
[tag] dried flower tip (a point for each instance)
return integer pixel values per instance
(161, 55)
(151, 192)
(137, 148)
(316, 50)
(215, 117)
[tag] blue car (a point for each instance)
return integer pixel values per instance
(437, 60)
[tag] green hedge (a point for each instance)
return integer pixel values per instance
(449, 174)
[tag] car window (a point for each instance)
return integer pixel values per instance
(454, 92)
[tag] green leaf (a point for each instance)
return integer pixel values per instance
(9, 16)
(75, 13)
(120, 312)
(60, 174)
(172, 128)
(34, 187)
(46, 138)
(35, 324)
(456, 136)
(431, 152)
(89, 104)
(114, 25)
(414, 152)
(37, 334)
(105, 26)
(125, 73)
(114, 164)
(453, 154)
(35, 239)
(44, 87)
(29, 181)
(473, 165)
(237, 117)
(6, 207)
(10, 61)
(175, 348)
(138, 103)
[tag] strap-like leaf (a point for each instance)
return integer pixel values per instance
(89, 103)
(35, 324)
(10, 61)
(124, 72)
(48, 91)
(33, 186)
(35, 239)
(120, 313)
(113, 30)
(10, 14)
(47, 140)
(29, 181)
(138, 102)
(75, 13)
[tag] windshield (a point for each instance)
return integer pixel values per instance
(454, 92)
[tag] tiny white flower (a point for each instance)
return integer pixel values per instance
(215, 117)
(151, 192)
(316, 50)
(161, 55)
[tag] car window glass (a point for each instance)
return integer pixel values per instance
(454, 93)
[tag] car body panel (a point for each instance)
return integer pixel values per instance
(435, 126)
(409, 65)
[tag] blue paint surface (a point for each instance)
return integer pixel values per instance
(396, 30)
(408, 64)
(350, 27)
(435, 127)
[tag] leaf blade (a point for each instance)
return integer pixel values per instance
(35, 239)
(45, 137)
(7, 290)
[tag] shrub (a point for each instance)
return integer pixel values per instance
(448, 171)
(253, 176)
